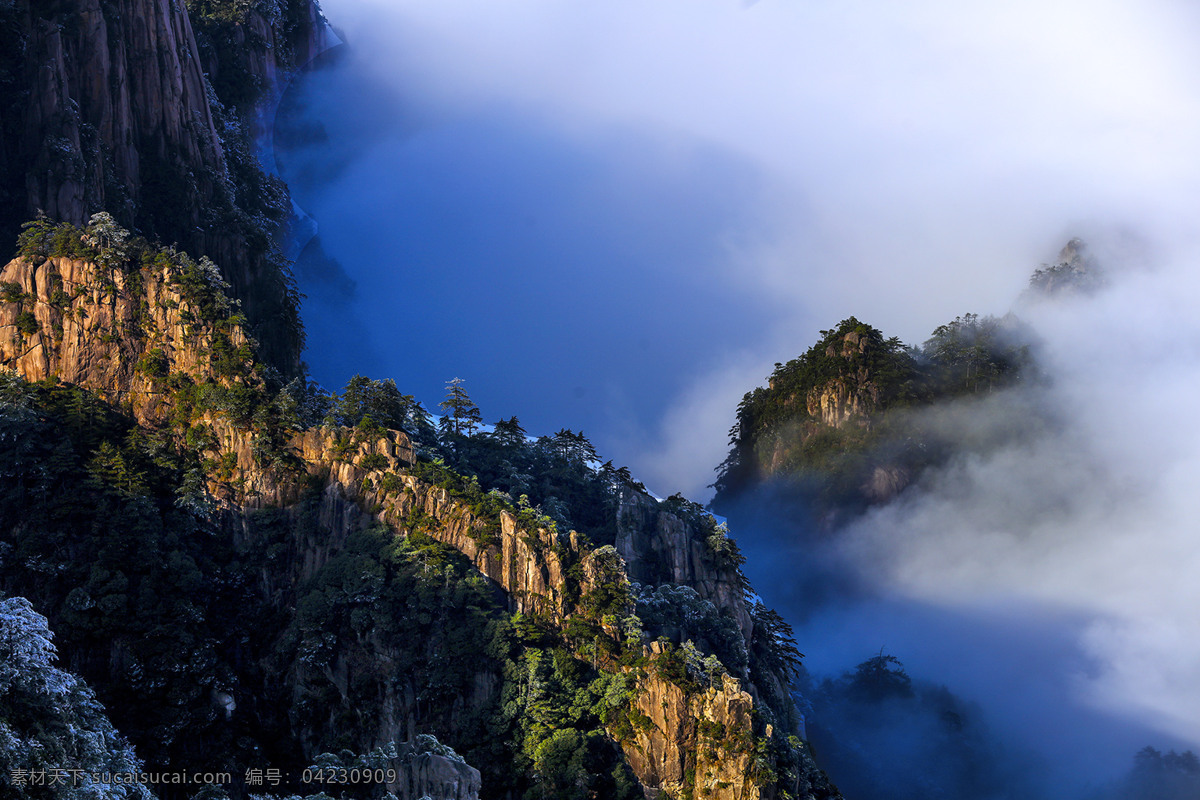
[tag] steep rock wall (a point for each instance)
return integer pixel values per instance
(843, 400)
(528, 565)
(696, 742)
(104, 106)
(92, 326)
(115, 90)
(659, 547)
(83, 324)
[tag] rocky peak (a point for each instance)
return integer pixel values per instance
(819, 409)
(1075, 270)
(1075, 254)
(852, 344)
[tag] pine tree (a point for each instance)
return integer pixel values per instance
(463, 415)
(509, 432)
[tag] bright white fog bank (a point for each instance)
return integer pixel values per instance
(1097, 517)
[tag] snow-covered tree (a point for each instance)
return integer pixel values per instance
(104, 234)
(51, 722)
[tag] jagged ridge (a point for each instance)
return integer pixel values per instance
(155, 338)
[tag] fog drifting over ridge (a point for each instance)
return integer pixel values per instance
(1053, 579)
(1097, 518)
(904, 165)
(1048, 574)
(617, 216)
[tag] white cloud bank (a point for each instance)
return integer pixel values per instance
(1100, 518)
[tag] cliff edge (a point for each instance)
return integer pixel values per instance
(147, 109)
(654, 628)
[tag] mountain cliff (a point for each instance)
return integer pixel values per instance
(127, 107)
(344, 589)
(846, 424)
(256, 576)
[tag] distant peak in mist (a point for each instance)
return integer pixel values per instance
(1075, 271)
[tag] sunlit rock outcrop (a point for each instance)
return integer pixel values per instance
(109, 106)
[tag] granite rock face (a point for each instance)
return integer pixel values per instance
(129, 334)
(660, 547)
(429, 770)
(699, 739)
(82, 324)
(105, 106)
(116, 90)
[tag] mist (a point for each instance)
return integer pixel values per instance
(618, 216)
(1096, 519)
(1047, 571)
(617, 209)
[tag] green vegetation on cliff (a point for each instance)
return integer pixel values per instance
(843, 423)
(130, 106)
(252, 573)
(106, 529)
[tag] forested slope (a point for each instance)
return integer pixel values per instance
(252, 573)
